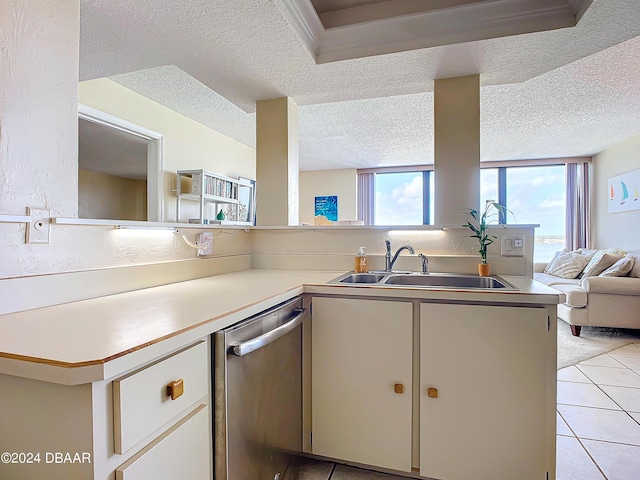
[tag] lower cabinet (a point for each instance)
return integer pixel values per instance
(362, 381)
(151, 423)
(181, 452)
(483, 392)
(477, 401)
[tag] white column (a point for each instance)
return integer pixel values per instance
(277, 197)
(457, 148)
(39, 107)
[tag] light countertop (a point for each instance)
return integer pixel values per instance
(91, 339)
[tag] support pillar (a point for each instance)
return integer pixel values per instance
(277, 196)
(456, 148)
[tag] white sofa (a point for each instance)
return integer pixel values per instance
(597, 301)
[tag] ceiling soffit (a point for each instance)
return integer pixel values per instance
(347, 29)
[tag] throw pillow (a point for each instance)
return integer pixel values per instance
(635, 271)
(553, 259)
(602, 260)
(619, 269)
(586, 253)
(567, 265)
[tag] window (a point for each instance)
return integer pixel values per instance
(538, 195)
(398, 198)
(535, 193)
(488, 185)
(401, 198)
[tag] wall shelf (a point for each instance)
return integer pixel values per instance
(206, 188)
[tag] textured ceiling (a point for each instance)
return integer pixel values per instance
(567, 92)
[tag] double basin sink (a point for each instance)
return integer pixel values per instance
(433, 280)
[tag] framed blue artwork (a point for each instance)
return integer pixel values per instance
(326, 210)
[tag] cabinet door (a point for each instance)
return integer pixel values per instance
(362, 349)
(181, 452)
(489, 367)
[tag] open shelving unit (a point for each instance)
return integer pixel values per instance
(206, 188)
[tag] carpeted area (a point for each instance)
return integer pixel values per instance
(592, 341)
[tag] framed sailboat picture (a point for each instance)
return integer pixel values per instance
(624, 192)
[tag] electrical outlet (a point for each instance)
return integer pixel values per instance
(206, 240)
(39, 229)
(512, 245)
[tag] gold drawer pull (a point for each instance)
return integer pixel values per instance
(432, 392)
(398, 388)
(175, 389)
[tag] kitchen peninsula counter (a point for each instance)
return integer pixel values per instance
(94, 339)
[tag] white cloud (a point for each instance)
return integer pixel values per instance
(402, 207)
(411, 190)
(552, 202)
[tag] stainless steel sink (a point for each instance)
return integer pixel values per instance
(362, 278)
(446, 281)
(434, 280)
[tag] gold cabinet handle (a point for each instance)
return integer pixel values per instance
(432, 392)
(398, 388)
(175, 389)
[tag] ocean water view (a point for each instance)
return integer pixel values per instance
(545, 246)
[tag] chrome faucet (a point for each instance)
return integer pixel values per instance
(390, 262)
(425, 263)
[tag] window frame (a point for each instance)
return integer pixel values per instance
(501, 166)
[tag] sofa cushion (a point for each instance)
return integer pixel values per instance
(551, 280)
(567, 264)
(602, 260)
(575, 296)
(619, 269)
(635, 271)
(586, 251)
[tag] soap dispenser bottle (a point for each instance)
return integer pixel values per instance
(361, 261)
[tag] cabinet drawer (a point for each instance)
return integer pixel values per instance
(141, 403)
(181, 452)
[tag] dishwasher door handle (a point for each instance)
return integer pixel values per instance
(244, 348)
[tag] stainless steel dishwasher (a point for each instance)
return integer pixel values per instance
(258, 395)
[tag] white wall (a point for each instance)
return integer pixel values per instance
(317, 183)
(38, 108)
(621, 230)
(187, 144)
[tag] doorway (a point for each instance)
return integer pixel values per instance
(120, 174)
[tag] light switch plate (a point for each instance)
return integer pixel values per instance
(39, 229)
(512, 245)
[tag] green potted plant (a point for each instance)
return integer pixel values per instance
(478, 225)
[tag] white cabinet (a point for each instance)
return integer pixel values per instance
(484, 388)
(129, 424)
(139, 410)
(361, 354)
(181, 452)
(487, 364)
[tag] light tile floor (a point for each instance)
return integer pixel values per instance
(598, 432)
(599, 417)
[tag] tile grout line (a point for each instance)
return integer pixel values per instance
(333, 468)
(580, 440)
(613, 400)
(583, 447)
